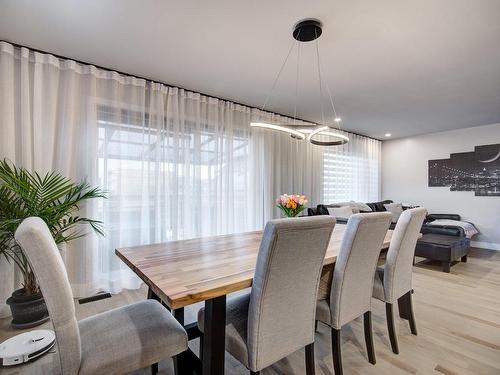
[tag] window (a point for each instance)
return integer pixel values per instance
(165, 185)
(352, 175)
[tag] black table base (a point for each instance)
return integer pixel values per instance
(213, 343)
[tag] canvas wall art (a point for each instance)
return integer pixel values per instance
(477, 171)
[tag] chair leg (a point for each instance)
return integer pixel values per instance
(413, 324)
(310, 359)
(389, 312)
(367, 317)
(154, 368)
(405, 305)
(336, 352)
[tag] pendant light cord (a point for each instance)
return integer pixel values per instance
(296, 84)
(338, 126)
(278, 76)
(331, 101)
(327, 89)
(319, 79)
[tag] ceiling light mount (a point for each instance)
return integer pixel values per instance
(307, 30)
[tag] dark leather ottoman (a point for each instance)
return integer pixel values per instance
(444, 248)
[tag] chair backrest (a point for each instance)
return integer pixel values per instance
(285, 288)
(399, 264)
(37, 244)
(352, 282)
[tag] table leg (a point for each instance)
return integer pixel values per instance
(214, 336)
(181, 363)
(153, 295)
(184, 363)
(179, 315)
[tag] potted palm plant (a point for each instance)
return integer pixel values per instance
(55, 199)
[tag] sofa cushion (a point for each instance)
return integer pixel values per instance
(469, 229)
(449, 231)
(431, 217)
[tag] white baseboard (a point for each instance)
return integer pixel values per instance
(486, 245)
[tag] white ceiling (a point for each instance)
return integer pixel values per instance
(401, 66)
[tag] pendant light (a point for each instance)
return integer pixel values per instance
(307, 30)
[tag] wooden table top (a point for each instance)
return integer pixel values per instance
(188, 271)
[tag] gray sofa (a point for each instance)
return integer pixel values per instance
(322, 209)
(444, 243)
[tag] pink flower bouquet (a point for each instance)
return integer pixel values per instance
(291, 205)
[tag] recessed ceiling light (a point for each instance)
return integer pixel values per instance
(337, 119)
(388, 134)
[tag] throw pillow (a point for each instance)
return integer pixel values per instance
(355, 209)
(352, 204)
(396, 209)
(362, 206)
(341, 212)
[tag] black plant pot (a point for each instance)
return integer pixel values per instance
(27, 310)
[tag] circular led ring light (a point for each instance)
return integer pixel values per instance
(294, 133)
(342, 138)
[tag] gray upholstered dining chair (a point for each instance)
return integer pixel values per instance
(393, 280)
(114, 342)
(352, 282)
(276, 318)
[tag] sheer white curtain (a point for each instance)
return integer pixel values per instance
(176, 164)
(48, 122)
(283, 165)
(191, 166)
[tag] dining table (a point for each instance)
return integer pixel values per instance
(207, 269)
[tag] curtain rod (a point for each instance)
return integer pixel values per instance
(157, 81)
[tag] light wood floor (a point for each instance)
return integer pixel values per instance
(458, 321)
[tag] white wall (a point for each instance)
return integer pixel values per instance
(404, 178)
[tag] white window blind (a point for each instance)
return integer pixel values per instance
(352, 171)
